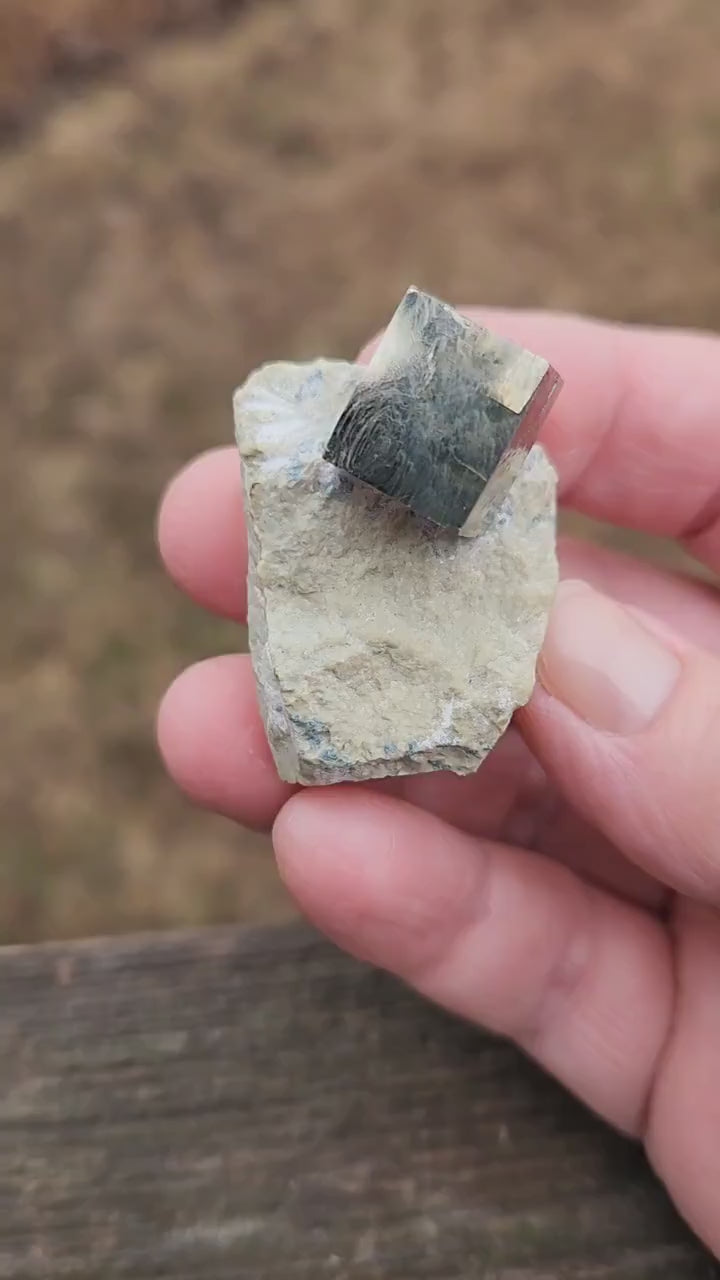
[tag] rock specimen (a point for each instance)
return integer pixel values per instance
(381, 644)
(443, 417)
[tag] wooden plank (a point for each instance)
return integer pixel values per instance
(233, 1104)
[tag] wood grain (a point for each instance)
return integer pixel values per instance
(253, 1104)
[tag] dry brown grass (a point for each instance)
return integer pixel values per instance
(41, 40)
(269, 188)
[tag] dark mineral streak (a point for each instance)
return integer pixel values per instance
(445, 415)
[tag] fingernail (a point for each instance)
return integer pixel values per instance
(603, 664)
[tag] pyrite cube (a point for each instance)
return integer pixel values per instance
(444, 415)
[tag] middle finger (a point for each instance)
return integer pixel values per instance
(214, 745)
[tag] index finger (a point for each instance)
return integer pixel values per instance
(635, 433)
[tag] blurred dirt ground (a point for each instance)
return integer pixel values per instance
(188, 187)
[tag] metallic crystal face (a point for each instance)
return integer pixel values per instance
(444, 416)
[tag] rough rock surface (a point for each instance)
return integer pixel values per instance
(380, 644)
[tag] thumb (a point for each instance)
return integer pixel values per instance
(626, 721)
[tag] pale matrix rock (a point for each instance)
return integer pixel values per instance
(381, 645)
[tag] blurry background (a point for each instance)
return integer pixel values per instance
(188, 187)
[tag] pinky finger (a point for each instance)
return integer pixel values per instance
(508, 939)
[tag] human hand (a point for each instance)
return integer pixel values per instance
(568, 894)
